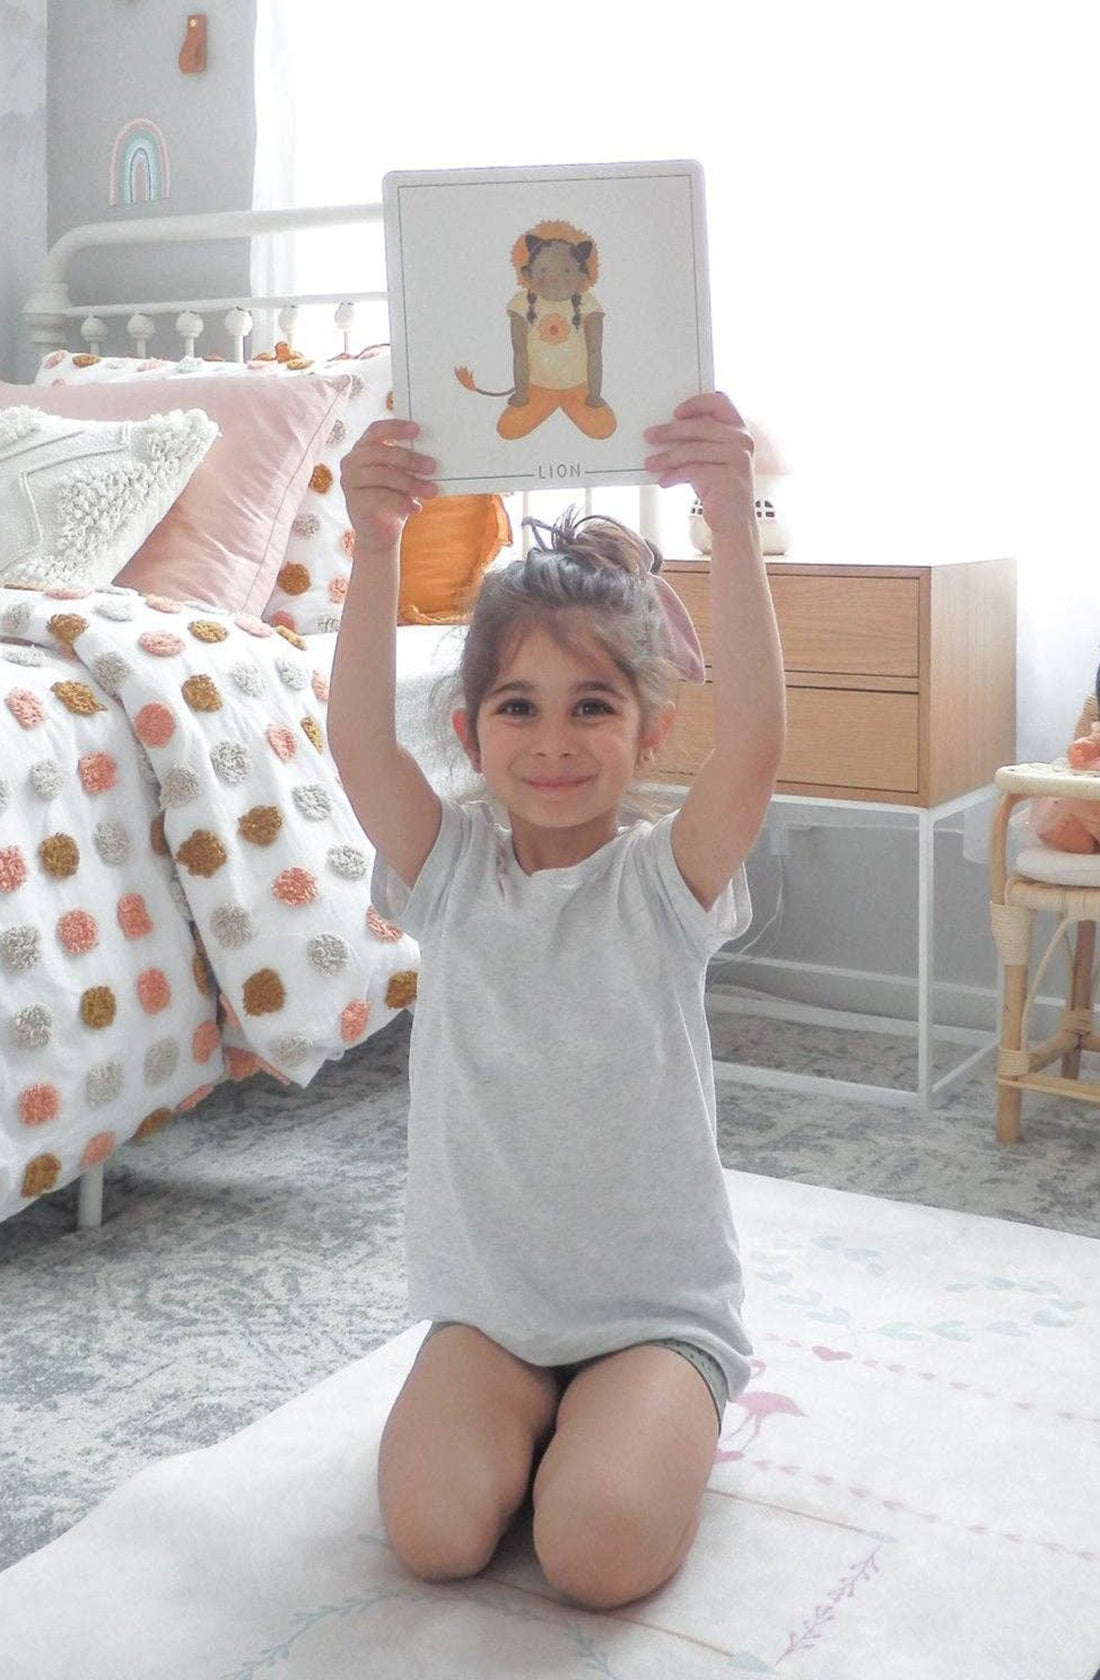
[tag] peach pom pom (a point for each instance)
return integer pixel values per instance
(353, 1019)
(154, 724)
(282, 740)
(294, 886)
(161, 642)
(205, 1040)
(133, 916)
(13, 871)
(242, 1064)
(98, 772)
(26, 708)
(97, 1149)
(154, 992)
(39, 1103)
(78, 932)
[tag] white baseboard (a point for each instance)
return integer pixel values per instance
(861, 991)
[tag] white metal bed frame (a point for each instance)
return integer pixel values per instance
(49, 310)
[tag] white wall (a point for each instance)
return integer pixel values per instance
(900, 197)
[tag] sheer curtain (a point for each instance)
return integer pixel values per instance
(898, 196)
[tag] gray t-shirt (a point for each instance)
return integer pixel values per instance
(565, 1192)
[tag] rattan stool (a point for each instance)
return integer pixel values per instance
(1013, 902)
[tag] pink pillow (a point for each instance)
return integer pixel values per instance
(224, 539)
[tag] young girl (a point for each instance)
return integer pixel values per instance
(567, 1227)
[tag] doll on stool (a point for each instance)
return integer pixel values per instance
(1072, 825)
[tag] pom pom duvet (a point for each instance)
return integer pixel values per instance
(184, 888)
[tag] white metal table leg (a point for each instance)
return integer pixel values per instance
(926, 843)
(928, 1087)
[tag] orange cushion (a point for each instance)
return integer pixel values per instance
(445, 549)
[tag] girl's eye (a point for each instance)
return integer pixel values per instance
(602, 704)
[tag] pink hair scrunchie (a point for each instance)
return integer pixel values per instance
(685, 648)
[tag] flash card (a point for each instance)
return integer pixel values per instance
(541, 319)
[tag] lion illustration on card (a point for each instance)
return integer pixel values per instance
(557, 335)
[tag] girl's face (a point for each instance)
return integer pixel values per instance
(575, 722)
(555, 272)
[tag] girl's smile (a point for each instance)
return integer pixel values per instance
(560, 786)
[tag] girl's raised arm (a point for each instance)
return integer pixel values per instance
(392, 798)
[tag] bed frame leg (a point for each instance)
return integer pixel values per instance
(89, 1205)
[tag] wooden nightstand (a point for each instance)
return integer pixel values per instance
(901, 696)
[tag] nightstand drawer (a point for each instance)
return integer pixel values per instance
(868, 625)
(860, 738)
(841, 737)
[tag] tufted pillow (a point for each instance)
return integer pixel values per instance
(445, 548)
(79, 497)
(225, 538)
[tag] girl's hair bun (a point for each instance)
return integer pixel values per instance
(597, 540)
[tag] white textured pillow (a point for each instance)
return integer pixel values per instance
(79, 497)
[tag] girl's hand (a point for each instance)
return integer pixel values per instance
(708, 446)
(382, 482)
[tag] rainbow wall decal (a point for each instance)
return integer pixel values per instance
(139, 164)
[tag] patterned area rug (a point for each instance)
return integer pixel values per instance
(905, 1488)
(255, 1246)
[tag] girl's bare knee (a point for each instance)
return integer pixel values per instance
(455, 1456)
(442, 1538)
(444, 1555)
(444, 1506)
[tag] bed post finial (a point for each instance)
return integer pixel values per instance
(93, 330)
(189, 326)
(44, 313)
(345, 317)
(141, 329)
(238, 324)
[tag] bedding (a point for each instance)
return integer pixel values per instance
(306, 592)
(184, 888)
(225, 537)
(445, 548)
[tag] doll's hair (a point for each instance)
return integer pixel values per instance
(582, 245)
(580, 254)
(585, 588)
